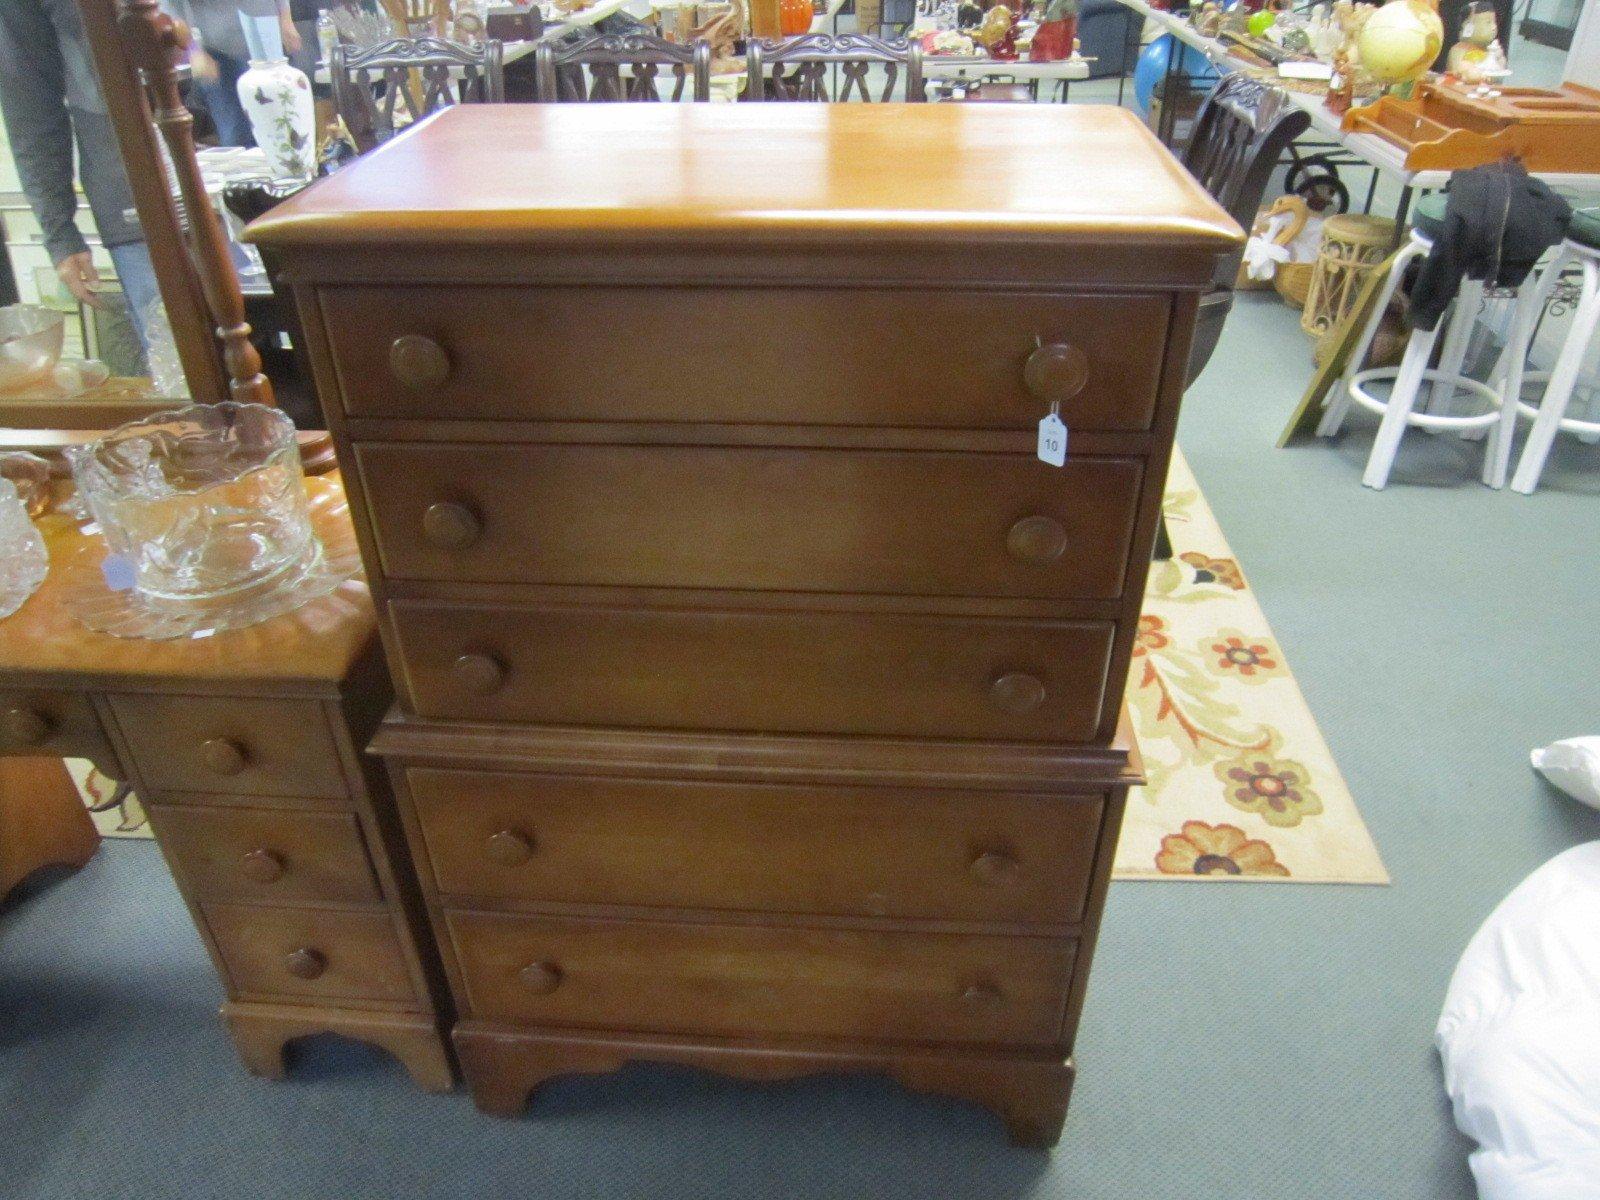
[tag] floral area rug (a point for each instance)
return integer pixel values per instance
(1242, 786)
(1241, 783)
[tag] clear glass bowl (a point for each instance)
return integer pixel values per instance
(205, 513)
(30, 344)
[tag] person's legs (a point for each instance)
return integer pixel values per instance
(138, 278)
(222, 102)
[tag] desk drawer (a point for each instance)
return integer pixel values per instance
(748, 981)
(53, 724)
(310, 954)
(264, 855)
(861, 851)
(238, 746)
(739, 355)
(784, 520)
(893, 674)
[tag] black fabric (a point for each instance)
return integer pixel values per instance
(1497, 224)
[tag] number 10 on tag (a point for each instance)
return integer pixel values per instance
(1053, 440)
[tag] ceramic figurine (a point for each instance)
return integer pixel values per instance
(1472, 59)
(1053, 39)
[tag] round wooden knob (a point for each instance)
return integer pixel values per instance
(23, 727)
(982, 992)
(261, 866)
(992, 866)
(224, 757)
(480, 674)
(510, 848)
(1017, 692)
(1056, 372)
(418, 362)
(541, 978)
(1037, 539)
(451, 526)
(305, 963)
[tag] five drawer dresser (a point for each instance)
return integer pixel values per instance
(759, 687)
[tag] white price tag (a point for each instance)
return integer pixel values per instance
(1053, 440)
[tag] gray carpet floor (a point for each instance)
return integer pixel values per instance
(1239, 1041)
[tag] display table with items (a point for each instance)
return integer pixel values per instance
(759, 637)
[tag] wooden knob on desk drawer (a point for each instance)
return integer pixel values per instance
(992, 866)
(982, 992)
(1017, 692)
(510, 848)
(224, 757)
(451, 526)
(305, 963)
(1056, 372)
(23, 727)
(1037, 539)
(480, 674)
(261, 866)
(541, 978)
(418, 362)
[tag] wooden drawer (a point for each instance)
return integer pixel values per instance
(794, 672)
(211, 744)
(53, 724)
(785, 520)
(751, 981)
(264, 855)
(310, 954)
(765, 355)
(854, 851)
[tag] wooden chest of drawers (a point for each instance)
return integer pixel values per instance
(759, 688)
(246, 749)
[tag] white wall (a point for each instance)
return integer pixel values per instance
(1583, 60)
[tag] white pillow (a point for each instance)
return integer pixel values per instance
(1573, 765)
(1520, 1037)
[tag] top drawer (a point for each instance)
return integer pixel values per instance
(741, 355)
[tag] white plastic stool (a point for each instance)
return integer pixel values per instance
(1400, 410)
(1551, 415)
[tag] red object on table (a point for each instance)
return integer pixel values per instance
(795, 16)
(1052, 41)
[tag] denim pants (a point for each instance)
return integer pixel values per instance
(138, 278)
(222, 101)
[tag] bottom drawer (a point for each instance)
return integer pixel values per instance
(309, 954)
(737, 980)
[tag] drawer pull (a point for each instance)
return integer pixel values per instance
(418, 362)
(1017, 692)
(1056, 372)
(510, 848)
(23, 727)
(541, 978)
(1037, 540)
(305, 963)
(261, 866)
(993, 866)
(480, 674)
(451, 526)
(224, 757)
(982, 992)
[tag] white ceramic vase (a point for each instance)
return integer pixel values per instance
(277, 99)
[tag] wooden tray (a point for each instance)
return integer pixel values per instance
(1442, 127)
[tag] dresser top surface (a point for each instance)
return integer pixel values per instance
(512, 172)
(309, 650)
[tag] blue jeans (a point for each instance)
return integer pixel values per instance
(222, 101)
(138, 278)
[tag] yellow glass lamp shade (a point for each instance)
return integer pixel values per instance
(1400, 41)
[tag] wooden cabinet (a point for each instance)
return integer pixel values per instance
(759, 688)
(246, 750)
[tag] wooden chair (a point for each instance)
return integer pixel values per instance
(811, 54)
(559, 68)
(408, 78)
(420, 18)
(1241, 132)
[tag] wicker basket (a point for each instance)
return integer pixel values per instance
(1299, 214)
(1293, 281)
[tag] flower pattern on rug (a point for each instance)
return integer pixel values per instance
(1233, 757)
(1201, 849)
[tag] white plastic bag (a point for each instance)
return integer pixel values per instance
(1573, 765)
